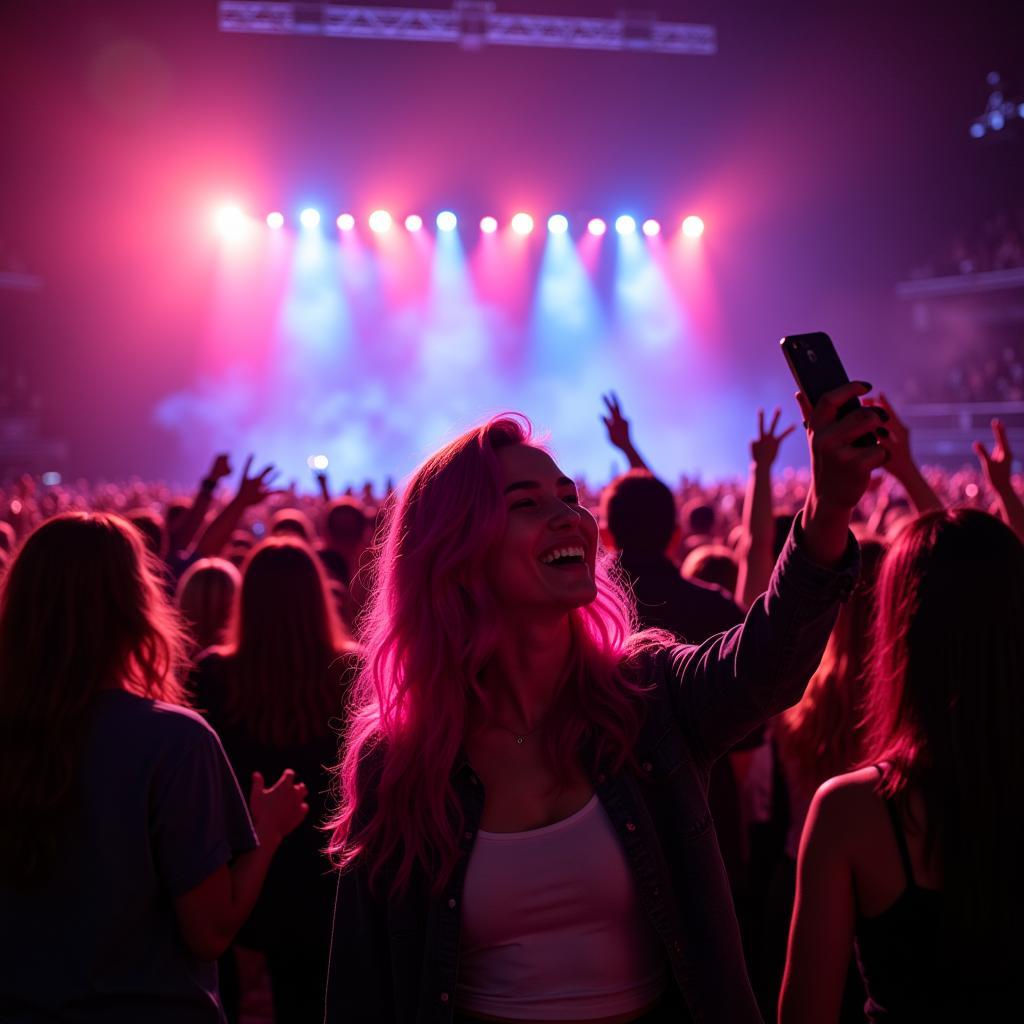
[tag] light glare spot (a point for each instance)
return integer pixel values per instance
(693, 226)
(380, 221)
(522, 223)
(230, 221)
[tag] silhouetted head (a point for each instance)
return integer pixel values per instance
(638, 513)
(292, 522)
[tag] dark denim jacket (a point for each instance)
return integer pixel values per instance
(397, 960)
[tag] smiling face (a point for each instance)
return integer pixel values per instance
(545, 560)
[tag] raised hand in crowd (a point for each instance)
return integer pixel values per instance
(901, 464)
(756, 549)
(321, 482)
(221, 467)
(618, 431)
(252, 490)
(255, 489)
(182, 531)
(764, 449)
(997, 466)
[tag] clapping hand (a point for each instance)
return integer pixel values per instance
(253, 490)
(765, 447)
(278, 810)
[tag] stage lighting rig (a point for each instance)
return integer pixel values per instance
(471, 24)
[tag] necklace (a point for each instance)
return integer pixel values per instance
(520, 737)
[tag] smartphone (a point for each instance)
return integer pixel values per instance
(817, 368)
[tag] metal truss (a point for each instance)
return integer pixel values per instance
(471, 25)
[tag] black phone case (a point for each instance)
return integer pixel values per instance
(817, 368)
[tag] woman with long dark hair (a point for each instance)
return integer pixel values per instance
(823, 733)
(820, 736)
(205, 595)
(915, 859)
(523, 832)
(275, 694)
(127, 856)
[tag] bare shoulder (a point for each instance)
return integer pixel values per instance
(850, 787)
(847, 805)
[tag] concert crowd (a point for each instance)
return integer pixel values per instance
(497, 744)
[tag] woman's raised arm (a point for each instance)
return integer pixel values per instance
(729, 685)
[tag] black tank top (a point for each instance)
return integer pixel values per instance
(908, 976)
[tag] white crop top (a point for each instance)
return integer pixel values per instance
(552, 928)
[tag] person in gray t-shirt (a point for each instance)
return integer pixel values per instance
(128, 859)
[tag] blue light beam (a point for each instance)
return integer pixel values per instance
(649, 317)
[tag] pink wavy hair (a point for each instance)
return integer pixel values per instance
(431, 627)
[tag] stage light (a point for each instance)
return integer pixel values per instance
(488, 225)
(977, 130)
(625, 225)
(558, 224)
(380, 221)
(651, 228)
(996, 121)
(414, 222)
(275, 220)
(693, 227)
(597, 226)
(345, 222)
(522, 223)
(318, 462)
(309, 218)
(51, 479)
(447, 221)
(230, 221)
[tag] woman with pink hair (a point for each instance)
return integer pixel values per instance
(523, 830)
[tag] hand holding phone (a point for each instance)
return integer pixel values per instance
(847, 443)
(817, 369)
